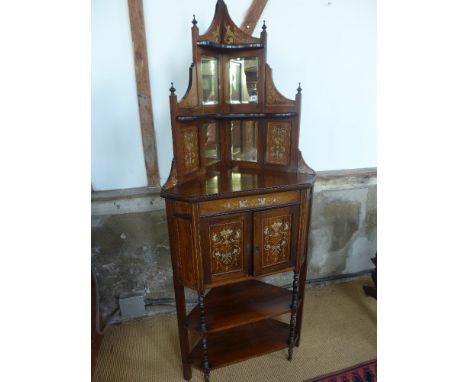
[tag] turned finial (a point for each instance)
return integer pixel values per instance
(194, 21)
(299, 89)
(172, 89)
(264, 26)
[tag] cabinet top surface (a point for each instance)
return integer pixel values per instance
(234, 182)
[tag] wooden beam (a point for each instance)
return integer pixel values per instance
(140, 56)
(252, 16)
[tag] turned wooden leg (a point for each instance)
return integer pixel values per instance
(183, 335)
(292, 330)
(300, 308)
(204, 329)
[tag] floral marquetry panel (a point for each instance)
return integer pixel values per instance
(226, 247)
(225, 242)
(190, 151)
(278, 143)
(275, 238)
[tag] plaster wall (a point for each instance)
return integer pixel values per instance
(116, 148)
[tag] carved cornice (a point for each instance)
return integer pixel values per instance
(224, 30)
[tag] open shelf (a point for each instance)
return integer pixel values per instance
(215, 45)
(238, 344)
(238, 304)
(190, 118)
(225, 184)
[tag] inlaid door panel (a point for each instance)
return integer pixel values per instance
(275, 239)
(226, 241)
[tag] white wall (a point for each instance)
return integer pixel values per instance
(335, 61)
(334, 58)
(116, 148)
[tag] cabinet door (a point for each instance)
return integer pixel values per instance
(275, 239)
(226, 247)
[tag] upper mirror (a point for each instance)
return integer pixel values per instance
(243, 80)
(209, 69)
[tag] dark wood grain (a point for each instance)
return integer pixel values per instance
(233, 218)
(225, 244)
(140, 55)
(96, 338)
(214, 45)
(252, 15)
(234, 345)
(188, 118)
(233, 182)
(292, 325)
(275, 239)
(204, 339)
(238, 304)
(179, 294)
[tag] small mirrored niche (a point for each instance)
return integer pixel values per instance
(211, 142)
(243, 80)
(244, 141)
(210, 80)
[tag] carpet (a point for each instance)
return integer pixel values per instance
(363, 372)
(338, 330)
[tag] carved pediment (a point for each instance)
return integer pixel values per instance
(223, 30)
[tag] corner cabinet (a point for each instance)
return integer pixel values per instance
(238, 201)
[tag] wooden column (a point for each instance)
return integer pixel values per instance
(140, 56)
(253, 16)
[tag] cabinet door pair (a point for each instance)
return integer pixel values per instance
(249, 243)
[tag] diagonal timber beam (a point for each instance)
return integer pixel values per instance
(140, 56)
(252, 16)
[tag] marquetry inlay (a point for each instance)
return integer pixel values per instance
(214, 34)
(272, 96)
(233, 204)
(230, 34)
(190, 148)
(276, 233)
(226, 247)
(278, 142)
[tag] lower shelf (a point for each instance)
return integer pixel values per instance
(239, 304)
(234, 345)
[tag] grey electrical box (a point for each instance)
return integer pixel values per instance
(132, 305)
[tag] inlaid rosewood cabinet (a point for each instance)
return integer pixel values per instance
(238, 201)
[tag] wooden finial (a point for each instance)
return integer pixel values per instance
(299, 89)
(172, 89)
(194, 21)
(264, 26)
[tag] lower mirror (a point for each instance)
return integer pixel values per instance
(211, 142)
(244, 141)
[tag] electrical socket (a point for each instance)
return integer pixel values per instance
(132, 305)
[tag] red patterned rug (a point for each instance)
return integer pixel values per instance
(364, 372)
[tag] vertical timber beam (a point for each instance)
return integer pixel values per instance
(253, 15)
(140, 56)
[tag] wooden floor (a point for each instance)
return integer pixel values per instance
(339, 330)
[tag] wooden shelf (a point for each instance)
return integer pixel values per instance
(238, 304)
(236, 116)
(238, 344)
(215, 45)
(233, 182)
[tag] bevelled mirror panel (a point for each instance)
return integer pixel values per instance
(210, 80)
(211, 142)
(244, 141)
(243, 80)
